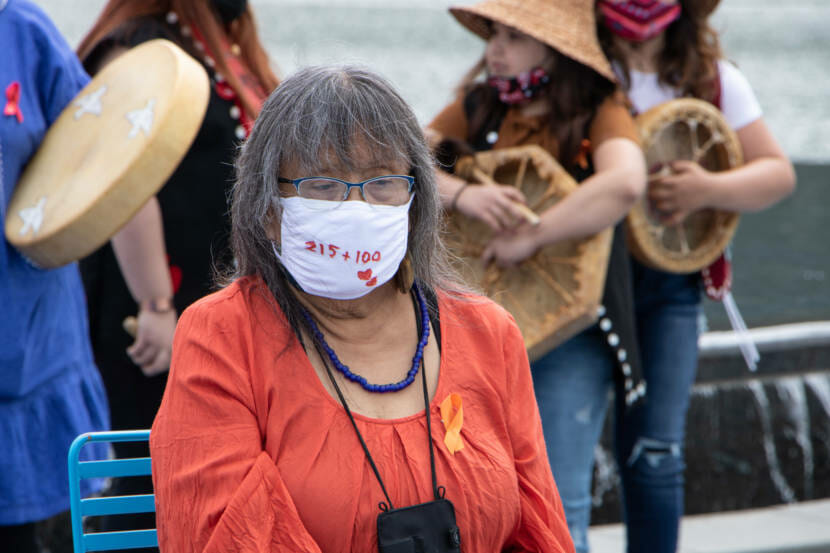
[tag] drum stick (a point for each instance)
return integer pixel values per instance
(130, 325)
(528, 214)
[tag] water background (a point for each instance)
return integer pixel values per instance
(781, 256)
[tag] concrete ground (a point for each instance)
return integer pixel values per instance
(797, 528)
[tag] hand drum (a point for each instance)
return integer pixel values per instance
(694, 130)
(110, 150)
(555, 293)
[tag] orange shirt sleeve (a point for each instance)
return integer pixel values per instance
(216, 489)
(542, 526)
(451, 122)
(613, 120)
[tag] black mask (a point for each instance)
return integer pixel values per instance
(230, 10)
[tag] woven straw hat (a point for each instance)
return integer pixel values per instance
(568, 26)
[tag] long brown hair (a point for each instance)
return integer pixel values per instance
(201, 14)
(574, 93)
(688, 60)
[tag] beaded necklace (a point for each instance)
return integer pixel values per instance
(220, 85)
(380, 388)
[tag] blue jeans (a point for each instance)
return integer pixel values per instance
(573, 383)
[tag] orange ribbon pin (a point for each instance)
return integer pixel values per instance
(452, 415)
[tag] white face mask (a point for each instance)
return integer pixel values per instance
(345, 252)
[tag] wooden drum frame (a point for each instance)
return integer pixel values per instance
(555, 293)
(111, 149)
(683, 129)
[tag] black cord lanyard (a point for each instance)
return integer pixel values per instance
(388, 506)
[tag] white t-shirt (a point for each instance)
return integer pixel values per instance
(739, 105)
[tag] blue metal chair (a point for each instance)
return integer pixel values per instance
(100, 506)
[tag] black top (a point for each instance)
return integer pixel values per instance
(193, 204)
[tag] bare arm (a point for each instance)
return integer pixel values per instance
(493, 205)
(139, 248)
(448, 186)
(599, 202)
(766, 177)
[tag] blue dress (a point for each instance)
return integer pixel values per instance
(50, 389)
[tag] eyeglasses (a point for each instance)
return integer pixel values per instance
(383, 190)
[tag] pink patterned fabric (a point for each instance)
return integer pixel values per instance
(638, 20)
(521, 88)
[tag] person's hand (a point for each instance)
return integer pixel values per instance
(153, 341)
(491, 204)
(684, 191)
(511, 247)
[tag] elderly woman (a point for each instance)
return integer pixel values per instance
(294, 417)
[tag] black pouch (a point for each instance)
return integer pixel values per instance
(423, 528)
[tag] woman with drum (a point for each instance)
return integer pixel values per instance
(50, 390)
(548, 83)
(663, 50)
(163, 260)
(342, 393)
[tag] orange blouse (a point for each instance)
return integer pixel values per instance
(251, 453)
(612, 120)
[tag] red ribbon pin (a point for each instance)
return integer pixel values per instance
(13, 101)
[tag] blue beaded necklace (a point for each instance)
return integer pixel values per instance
(379, 388)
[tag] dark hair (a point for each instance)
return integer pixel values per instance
(118, 13)
(688, 61)
(573, 95)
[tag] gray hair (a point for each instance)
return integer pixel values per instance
(316, 118)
